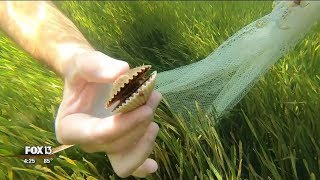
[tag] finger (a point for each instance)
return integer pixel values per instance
(154, 100)
(148, 167)
(128, 140)
(98, 67)
(121, 143)
(127, 162)
(81, 128)
(127, 121)
(75, 128)
(123, 123)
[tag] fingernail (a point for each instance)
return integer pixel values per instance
(153, 167)
(159, 98)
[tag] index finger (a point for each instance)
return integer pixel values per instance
(122, 123)
(154, 100)
(83, 129)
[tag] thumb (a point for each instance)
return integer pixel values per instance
(95, 66)
(148, 167)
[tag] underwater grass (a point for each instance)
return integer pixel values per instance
(272, 134)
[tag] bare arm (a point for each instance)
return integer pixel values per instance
(42, 30)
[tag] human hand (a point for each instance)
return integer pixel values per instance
(127, 138)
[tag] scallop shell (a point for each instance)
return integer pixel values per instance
(132, 89)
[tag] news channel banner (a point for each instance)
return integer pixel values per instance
(35, 154)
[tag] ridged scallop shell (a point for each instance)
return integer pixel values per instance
(122, 89)
(138, 98)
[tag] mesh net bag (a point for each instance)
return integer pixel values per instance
(220, 80)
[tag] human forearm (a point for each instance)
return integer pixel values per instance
(42, 30)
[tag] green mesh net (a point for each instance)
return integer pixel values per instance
(220, 80)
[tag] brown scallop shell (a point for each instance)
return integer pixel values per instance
(132, 89)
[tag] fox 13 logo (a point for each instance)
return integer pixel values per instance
(37, 150)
